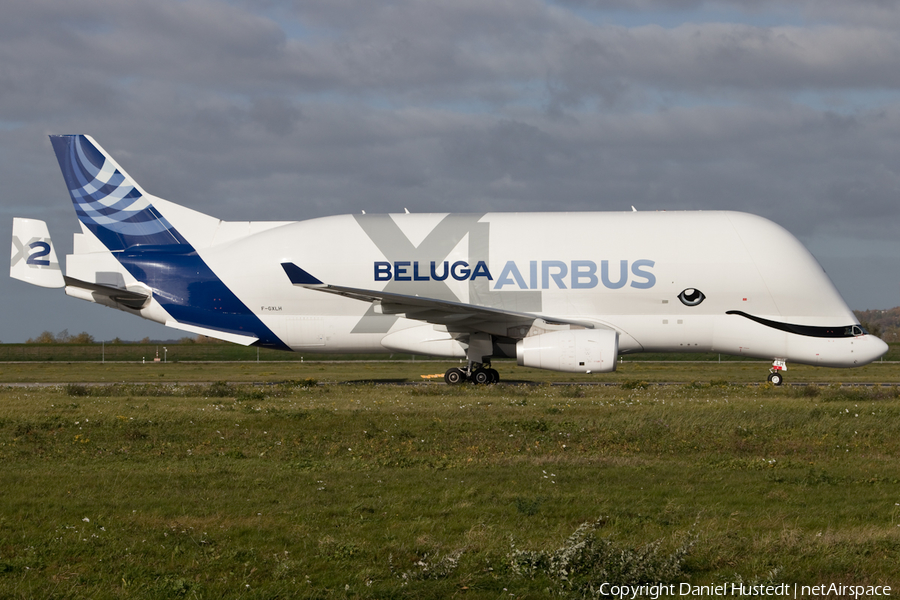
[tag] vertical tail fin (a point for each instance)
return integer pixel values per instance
(107, 200)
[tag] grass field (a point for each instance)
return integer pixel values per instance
(220, 351)
(383, 371)
(358, 490)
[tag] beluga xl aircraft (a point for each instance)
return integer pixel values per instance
(560, 291)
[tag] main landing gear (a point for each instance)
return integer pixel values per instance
(776, 373)
(478, 366)
(475, 372)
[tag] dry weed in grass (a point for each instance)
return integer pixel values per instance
(585, 561)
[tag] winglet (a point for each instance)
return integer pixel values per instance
(298, 276)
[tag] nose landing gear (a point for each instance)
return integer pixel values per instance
(776, 373)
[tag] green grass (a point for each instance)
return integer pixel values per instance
(171, 352)
(412, 371)
(429, 491)
(220, 351)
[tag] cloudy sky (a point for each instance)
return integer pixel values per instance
(253, 109)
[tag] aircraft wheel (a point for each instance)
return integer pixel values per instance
(454, 376)
(776, 378)
(481, 376)
(495, 376)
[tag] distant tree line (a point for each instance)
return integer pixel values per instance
(200, 339)
(883, 323)
(64, 337)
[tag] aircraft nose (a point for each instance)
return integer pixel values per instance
(874, 349)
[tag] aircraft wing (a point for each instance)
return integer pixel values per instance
(455, 315)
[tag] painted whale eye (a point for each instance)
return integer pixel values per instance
(691, 297)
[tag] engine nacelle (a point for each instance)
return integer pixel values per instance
(573, 351)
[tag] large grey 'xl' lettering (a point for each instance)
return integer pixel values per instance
(436, 246)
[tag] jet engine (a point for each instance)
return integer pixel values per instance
(573, 351)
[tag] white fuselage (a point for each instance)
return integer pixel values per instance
(617, 270)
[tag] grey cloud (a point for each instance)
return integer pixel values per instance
(880, 13)
(563, 62)
(414, 53)
(721, 60)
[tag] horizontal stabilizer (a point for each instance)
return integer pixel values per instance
(129, 298)
(235, 338)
